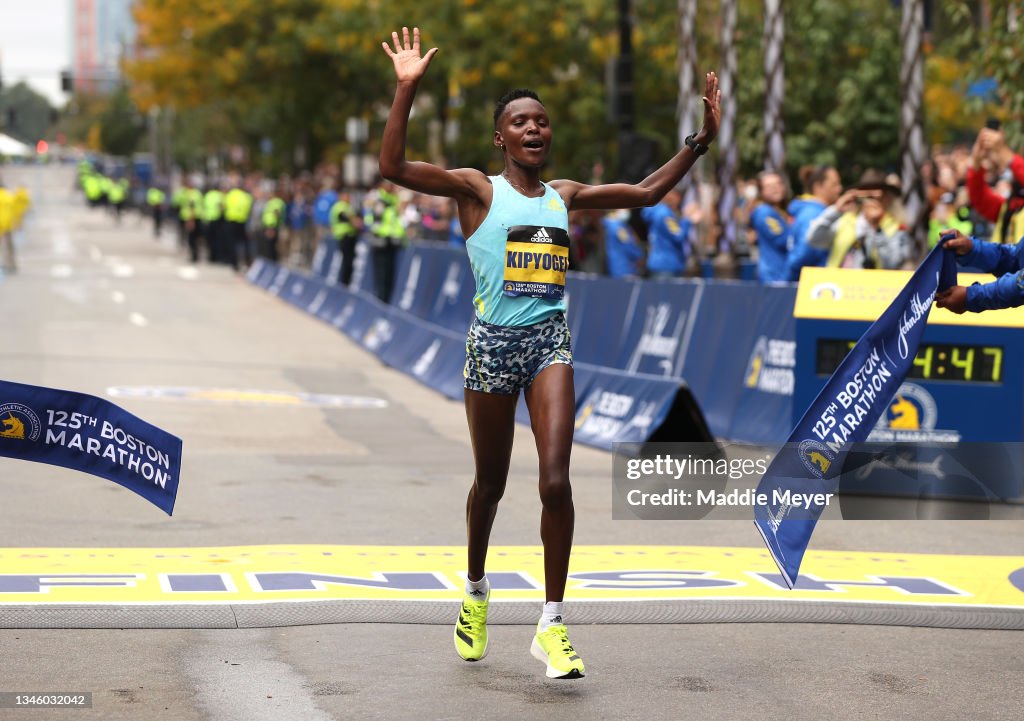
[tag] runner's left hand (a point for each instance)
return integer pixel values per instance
(712, 110)
(954, 299)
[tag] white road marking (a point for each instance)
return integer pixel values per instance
(122, 270)
(62, 245)
(138, 319)
(61, 270)
(187, 272)
(117, 296)
(75, 292)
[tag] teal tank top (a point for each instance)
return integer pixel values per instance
(519, 256)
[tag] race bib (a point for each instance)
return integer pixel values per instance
(536, 258)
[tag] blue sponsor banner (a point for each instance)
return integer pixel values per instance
(598, 317)
(326, 263)
(261, 273)
(659, 328)
(742, 355)
(617, 407)
(845, 412)
(768, 377)
(326, 258)
(89, 434)
(424, 335)
(435, 283)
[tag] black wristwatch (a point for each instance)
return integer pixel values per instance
(697, 148)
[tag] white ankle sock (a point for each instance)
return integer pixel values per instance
(551, 615)
(478, 589)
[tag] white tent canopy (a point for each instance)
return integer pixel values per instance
(11, 147)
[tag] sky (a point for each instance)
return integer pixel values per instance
(35, 44)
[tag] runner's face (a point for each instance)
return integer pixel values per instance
(525, 131)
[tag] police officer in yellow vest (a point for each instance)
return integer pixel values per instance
(117, 195)
(382, 218)
(345, 225)
(7, 212)
(237, 207)
(213, 225)
(155, 199)
(190, 213)
(858, 229)
(92, 185)
(271, 222)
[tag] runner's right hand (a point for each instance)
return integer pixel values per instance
(409, 66)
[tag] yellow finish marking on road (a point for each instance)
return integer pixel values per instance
(254, 574)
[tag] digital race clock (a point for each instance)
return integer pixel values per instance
(966, 382)
(934, 361)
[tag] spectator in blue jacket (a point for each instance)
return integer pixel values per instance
(825, 188)
(667, 236)
(456, 238)
(771, 227)
(622, 250)
(322, 208)
(300, 223)
(1005, 261)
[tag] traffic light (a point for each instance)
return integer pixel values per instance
(67, 83)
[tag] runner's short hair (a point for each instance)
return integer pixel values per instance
(509, 97)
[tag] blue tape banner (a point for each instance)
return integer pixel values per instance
(598, 316)
(796, 485)
(741, 360)
(617, 407)
(435, 283)
(89, 434)
(658, 328)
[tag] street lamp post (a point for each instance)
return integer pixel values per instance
(356, 133)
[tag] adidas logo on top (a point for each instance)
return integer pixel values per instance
(541, 236)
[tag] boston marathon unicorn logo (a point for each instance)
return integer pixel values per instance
(912, 409)
(756, 362)
(13, 428)
(816, 457)
(18, 422)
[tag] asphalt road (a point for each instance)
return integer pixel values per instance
(97, 304)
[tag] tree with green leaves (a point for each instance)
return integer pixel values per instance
(24, 114)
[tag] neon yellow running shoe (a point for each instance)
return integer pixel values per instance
(471, 628)
(553, 648)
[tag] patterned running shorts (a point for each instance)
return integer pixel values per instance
(506, 359)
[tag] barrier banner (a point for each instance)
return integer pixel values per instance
(425, 336)
(261, 273)
(845, 411)
(88, 434)
(435, 283)
(657, 331)
(598, 316)
(740, 361)
(325, 258)
(769, 369)
(326, 264)
(617, 407)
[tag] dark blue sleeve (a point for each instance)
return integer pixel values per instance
(995, 258)
(1005, 292)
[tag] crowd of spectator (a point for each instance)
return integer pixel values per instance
(978, 190)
